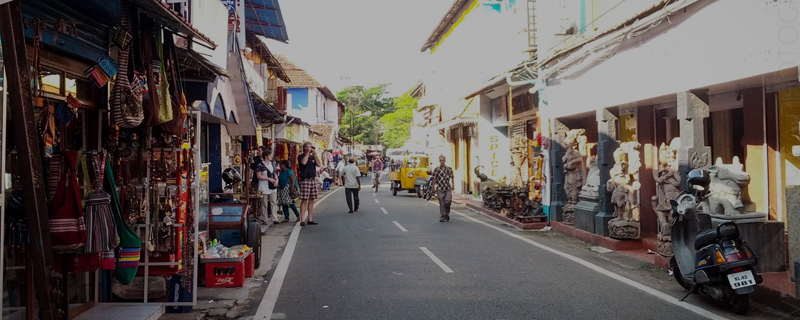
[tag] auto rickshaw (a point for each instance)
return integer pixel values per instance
(411, 175)
(363, 166)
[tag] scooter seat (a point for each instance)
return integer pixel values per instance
(704, 238)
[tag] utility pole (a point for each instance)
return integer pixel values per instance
(20, 96)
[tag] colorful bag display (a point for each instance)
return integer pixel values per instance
(67, 226)
(130, 245)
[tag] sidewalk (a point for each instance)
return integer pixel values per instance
(777, 291)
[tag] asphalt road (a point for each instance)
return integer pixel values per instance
(365, 266)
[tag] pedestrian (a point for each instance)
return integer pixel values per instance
(287, 182)
(352, 184)
(308, 162)
(340, 171)
(444, 183)
(268, 185)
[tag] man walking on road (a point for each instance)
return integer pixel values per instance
(444, 182)
(308, 163)
(352, 184)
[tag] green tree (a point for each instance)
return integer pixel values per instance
(363, 109)
(397, 125)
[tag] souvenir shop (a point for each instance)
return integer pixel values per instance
(119, 152)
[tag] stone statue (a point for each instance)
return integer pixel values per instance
(592, 186)
(668, 186)
(624, 187)
(573, 172)
(726, 196)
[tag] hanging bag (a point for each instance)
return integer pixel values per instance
(130, 245)
(150, 100)
(102, 232)
(178, 99)
(67, 227)
(125, 103)
(165, 110)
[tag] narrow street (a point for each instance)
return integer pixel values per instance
(393, 260)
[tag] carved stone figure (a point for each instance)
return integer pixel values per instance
(668, 186)
(726, 190)
(591, 187)
(573, 172)
(624, 187)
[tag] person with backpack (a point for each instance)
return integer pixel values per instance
(268, 185)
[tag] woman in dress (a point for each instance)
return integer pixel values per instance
(286, 182)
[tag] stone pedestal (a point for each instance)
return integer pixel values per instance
(665, 246)
(767, 240)
(623, 230)
(557, 196)
(606, 144)
(585, 212)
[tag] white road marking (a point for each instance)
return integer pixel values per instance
(376, 201)
(384, 211)
(598, 269)
(399, 226)
(267, 305)
(436, 260)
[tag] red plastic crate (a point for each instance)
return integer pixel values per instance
(249, 265)
(225, 274)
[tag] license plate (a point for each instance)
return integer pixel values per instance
(742, 279)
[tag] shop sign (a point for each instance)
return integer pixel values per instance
(494, 148)
(230, 4)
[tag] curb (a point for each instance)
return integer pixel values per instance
(515, 223)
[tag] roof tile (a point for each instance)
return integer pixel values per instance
(300, 78)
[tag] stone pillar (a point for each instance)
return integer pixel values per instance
(693, 153)
(557, 150)
(606, 144)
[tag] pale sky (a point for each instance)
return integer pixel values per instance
(369, 41)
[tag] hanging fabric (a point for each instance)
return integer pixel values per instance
(129, 243)
(67, 227)
(125, 101)
(152, 69)
(100, 226)
(178, 101)
(165, 110)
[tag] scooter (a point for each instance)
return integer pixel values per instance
(713, 261)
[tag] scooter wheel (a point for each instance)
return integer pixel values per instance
(676, 272)
(741, 303)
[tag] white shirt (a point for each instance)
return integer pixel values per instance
(351, 175)
(340, 168)
(325, 175)
(263, 185)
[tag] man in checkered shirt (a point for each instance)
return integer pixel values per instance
(444, 183)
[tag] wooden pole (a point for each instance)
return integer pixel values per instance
(20, 98)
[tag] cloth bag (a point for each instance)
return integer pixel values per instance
(130, 245)
(100, 225)
(125, 103)
(67, 226)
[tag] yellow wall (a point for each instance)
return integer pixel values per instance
(789, 138)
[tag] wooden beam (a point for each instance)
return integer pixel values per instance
(24, 125)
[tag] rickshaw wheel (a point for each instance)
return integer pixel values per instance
(254, 241)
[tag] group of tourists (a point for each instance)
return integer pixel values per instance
(280, 186)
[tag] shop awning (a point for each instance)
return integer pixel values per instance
(264, 18)
(265, 113)
(194, 63)
(161, 11)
